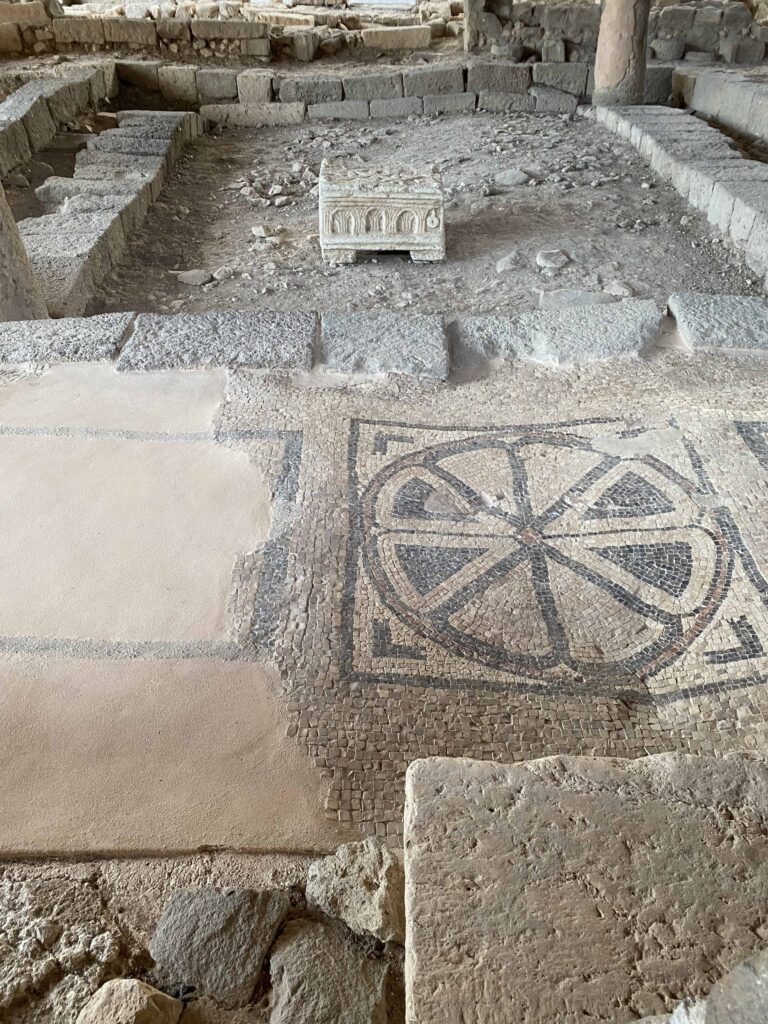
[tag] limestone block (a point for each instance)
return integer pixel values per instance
(55, 191)
(553, 51)
(100, 75)
(26, 15)
(552, 101)
(216, 84)
(10, 39)
(144, 74)
(750, 198)
(373, 87)
(268, 339)
(253, 114)
(668, 49)
(204, 28)
(178, 82)
(256, 47)
(320, 977)
(214, 940)
(95, 237)
(362, 884)
(563, 336)
(404, 107)
(67, 97)
(742, 996)
(432, 80)
(401, 37)
(186, 121)
(67, 281)
(451, 103)
(720, 321)
(571, 78)
(254, 87)
(500, 101)
(118, 141)
(90, 164)
(28, 105)
(14, 146)
(676, 19)
(498, 76)
(756, 246)
(127, 1001)
(79, 30)
(131, 31)
(629, 864)
(305, 44)
(742, 51)
(310, 90)
(376, 343)
(345, 110)
(173, 30)
(21, 296)
(86, 339)
(736, 16)
(658, 84)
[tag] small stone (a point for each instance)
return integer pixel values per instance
(362, 885)
(552, 259)
(130, 1002)
(17, 181)
(196, 278)
(223, 274)
(511, 177)
(215, 941)
(620, 289)
(260, 231)
(508, 262)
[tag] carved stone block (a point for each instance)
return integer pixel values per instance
(373, 209)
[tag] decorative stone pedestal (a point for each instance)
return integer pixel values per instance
(375, 209)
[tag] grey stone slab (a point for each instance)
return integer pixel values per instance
(86, 339)
(345, 110)
(320, 976)
(215, 85)
(498, 76)
(215, 941)
(500, 101)
(178, 82)
(450, 103)
(721, 321)
(14, 146)
(530, 887)
(141, 73)
(373, 87)
(552, 101)
(658, 83)
(375, 343)
(254, 86)
(55, 191)
(117, 141)
(704, 177)
(571, 78)
(266, 339)
(28, 105)
(404, 107)
(67, 281)
(431, 80)
(253, 114)
(562, 336)
(310, 89)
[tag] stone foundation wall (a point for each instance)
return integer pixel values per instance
(568, 31)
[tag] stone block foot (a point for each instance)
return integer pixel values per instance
(340, 257)
(427, 255)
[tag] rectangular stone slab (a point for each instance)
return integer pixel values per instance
(721, 321)
(579, 889)
(268, 339)
(86, 339)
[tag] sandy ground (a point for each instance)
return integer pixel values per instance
(588, 194)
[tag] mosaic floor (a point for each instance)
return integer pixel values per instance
(538, 563)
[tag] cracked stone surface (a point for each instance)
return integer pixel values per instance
(376, 343)
(86, 339)
(721, 321)
(524, 901)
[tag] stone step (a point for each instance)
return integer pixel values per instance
(578, 888)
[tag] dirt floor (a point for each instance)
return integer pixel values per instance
(587, 194)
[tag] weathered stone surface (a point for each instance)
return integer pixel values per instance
(78, 30)
(721, 321)
(563, 336)
(498, 77)
(132, 31)
(253, 114)
(404, 107)
(373, 87)
(267, 339)
(571, 78)
(500, 101)
(87, 339)
(216, 84)
(374, 343)
(179, 82)
(450, 103)
(319, 977)
(14, 146)
(362, 885)
(525, 901)
(742, 996)
(310, 89)
(21, 296)
(142, 73)
(344, 110)
(401, 37)
(254, 86)
(127, 1001)
(429, 81)
(215, 940)
(552, 101)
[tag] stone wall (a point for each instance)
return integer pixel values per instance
(568, 31)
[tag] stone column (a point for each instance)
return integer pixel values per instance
(21, 297)
(620, 62)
